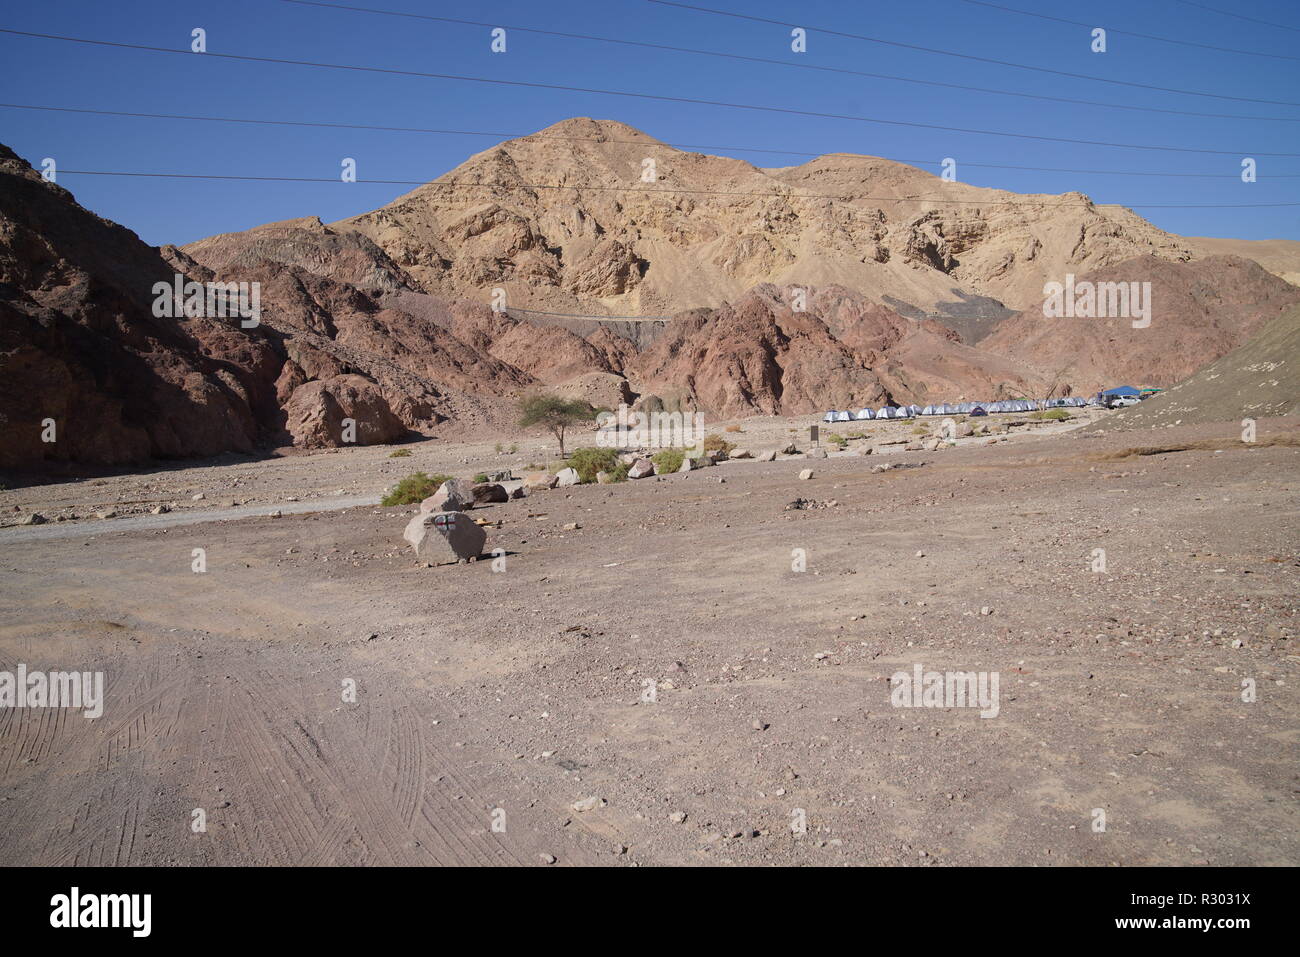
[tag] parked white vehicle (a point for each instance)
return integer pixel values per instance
(1120, 401)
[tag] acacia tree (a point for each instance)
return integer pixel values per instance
(554, 413)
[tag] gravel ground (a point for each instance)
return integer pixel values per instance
(501, 710)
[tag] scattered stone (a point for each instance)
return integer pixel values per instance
(547, 858)
(588, 804)
(769, 456)
(35, 518)
(537, 481)
(687, 464)
(197, 497)
(160, 509)
(604, 478)
(677, 817)
(520, 492)
(453, 495)
(817, 453)
(740, 454)
(805, 475)
(566, 477)
(642, 468)
(759, 725)
(489, 493)
(572, 527)
(107, 513)
(986, 610)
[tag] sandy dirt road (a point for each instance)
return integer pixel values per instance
(523, 689)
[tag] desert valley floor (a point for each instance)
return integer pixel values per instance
(521, 690)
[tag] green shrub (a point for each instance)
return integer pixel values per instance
(668, 460)
(400, 454)
(480, 478)
(556, 414)
(414, 489)
(834, 438)
(716, 443)
(590, 460)
(1056, 415)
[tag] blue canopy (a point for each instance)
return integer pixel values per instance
(1122, 390)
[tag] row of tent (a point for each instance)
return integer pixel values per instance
(960, 408)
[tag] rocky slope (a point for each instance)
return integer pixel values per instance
(79, 344)
(1200, 311)
(1258, 379)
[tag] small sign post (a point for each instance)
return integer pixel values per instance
(813, 433)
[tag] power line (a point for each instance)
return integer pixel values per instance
(788, 111)
(966, 56)
(1129, 33)
(799, 66)
(591, 139)
(673, 192)
(1238, 16)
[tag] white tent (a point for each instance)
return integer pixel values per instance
(928, 410)
(865, 414)
(913, 410)
(885, 412)
(829, 417)
(843, 417)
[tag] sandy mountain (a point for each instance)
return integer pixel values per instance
(562, 221)
(1258, 379)
(1200, 311)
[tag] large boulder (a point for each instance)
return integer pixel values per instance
(316, 411)
(453, 495)
(642, 468)
(444, 537)
(567, 477)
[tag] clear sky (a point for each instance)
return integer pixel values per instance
(50, 73)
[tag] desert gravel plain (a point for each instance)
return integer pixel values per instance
(515, 696)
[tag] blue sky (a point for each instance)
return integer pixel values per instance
(50, 73)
